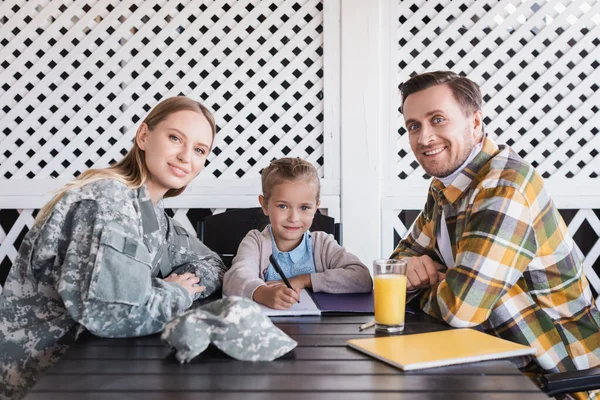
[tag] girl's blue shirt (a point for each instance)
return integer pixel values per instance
(299, 261)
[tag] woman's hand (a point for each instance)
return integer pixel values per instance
(188, 280)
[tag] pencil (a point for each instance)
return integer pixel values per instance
(280, 272)
(366, 325)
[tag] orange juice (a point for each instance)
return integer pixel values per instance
(390, 298)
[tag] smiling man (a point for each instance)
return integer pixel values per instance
(489, 248)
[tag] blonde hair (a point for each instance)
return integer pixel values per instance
(132, 170)
(288, 169)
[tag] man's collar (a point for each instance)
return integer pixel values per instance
(463, 181)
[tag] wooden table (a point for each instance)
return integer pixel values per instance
(321, 367)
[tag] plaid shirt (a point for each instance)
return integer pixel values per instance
(516, 271)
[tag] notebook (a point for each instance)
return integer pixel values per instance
(349, 302)
(306, 307)
(361, 303)
(437, 349)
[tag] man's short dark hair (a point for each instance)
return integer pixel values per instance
(465, 91)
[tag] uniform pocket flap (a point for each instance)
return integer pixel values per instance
(122, 270)
(127, 245)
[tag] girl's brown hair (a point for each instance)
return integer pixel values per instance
(132, 170)
(288, 169)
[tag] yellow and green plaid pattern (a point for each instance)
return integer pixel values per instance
(516, 272)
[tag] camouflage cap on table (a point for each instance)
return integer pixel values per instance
(234, 324)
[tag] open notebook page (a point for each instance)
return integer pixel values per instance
(306, 307)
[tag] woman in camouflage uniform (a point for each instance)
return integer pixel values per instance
(104, 257)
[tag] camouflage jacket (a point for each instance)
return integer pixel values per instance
(94, 264)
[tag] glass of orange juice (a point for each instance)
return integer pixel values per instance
(389, 278)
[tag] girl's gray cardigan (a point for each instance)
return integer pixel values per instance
(337, 271)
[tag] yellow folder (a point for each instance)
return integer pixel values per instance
(437, 349)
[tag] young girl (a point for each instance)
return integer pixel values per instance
(103, 255)
(314, 260)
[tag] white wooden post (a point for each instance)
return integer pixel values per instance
(362, 123)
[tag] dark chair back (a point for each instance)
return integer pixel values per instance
(571, 382)
(224, 232)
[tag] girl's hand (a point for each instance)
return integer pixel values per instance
(297, 282)
(274, 283)
(188, 280)
(301, 281)
(276, 296)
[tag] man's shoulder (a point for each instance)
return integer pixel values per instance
(508, 169)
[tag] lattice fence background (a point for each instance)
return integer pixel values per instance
(537, 63)
(77, 77)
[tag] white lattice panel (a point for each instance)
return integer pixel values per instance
(76, 77)
(536, 63)
(14, 225)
